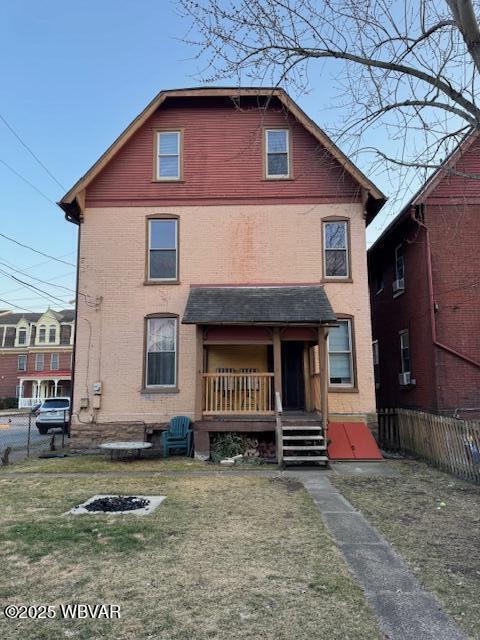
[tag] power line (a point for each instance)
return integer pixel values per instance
(25, 145)
(26, 246)
(16, 307)
(30, 184)
(58, 286)
(31, 286)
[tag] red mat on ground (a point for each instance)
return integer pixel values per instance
(351, 441)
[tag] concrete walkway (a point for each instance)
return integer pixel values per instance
(404, 610)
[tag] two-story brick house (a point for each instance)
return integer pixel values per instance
(36, 355)
(223, 238)
(424, 285)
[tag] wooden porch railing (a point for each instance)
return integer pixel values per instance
(238, 393)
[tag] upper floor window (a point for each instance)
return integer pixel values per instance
(340, 355)
(52, 333)
(277, 156)
(161, 355)
(22, 363)
(169, 155)
(54, 361)
(65, 334)
(399, 272)
(42, 333)
(162, 249)
(22, 336)
(335, 249)
(376, 362)
(39, 362)
(405, 351)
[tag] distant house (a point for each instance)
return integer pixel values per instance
(36, 355)
(424, 275)
(222, 259)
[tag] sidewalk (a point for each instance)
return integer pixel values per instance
(404, 610)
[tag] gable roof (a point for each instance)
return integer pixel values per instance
(10, 318)
(429, 185)
(69, 202)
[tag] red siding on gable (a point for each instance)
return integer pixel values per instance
(222, 161)
(459, 189)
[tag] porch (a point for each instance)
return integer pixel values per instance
(35, 388)
(261, 351)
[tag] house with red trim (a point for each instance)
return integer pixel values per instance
(36, 355)
(424, 273)
(222, 275)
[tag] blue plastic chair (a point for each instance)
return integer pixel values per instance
(177, 436)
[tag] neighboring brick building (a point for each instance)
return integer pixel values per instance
(36, 355)
(424, 275)
(234, 191)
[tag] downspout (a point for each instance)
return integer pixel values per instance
(431, 298)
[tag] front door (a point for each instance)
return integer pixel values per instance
(293, 386)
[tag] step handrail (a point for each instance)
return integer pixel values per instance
(278, 430)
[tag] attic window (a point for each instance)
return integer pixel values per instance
(277, 156)
(168, 155)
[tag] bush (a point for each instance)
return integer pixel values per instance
(8, 403)
(227, 445)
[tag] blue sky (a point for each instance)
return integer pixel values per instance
(72, 76)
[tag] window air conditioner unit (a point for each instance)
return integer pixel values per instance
(404, 378)
(398, 285)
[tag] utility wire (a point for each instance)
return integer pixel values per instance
(26, 246)
(25, 145)
(15, 306)
(30, 184)
(31, 286)
(23, 273)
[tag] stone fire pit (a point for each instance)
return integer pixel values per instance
(118, 505)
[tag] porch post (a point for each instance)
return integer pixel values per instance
(198, 373)
(277, 362)
(55, 382)
(323, 363)
(39, 389)
(306, 376)
(20, 392)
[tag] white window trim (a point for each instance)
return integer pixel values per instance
(52, 326)
(343, 385)
(162, 386)
(277, 176)
(37, 337)
(325, 249)
(17, 337)
(57, 368)
(404, 332)
(150, 221)
(22, 355)
(169, 155)
(36, 360)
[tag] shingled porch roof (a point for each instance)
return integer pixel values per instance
(258, 305)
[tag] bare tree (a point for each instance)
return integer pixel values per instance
(407, 67)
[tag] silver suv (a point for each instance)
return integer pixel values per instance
(53, 412)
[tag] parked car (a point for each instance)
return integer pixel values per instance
(35, 408)
(53, 412)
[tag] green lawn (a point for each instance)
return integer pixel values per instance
(433, 520)
(224, 557)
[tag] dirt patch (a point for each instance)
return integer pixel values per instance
(433, 520)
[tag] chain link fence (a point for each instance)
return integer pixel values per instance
(20, 437)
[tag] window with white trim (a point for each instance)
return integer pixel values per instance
(168, 155)
(22, 336)
(405, 351)
(335, 249)
(54, 362)
(277, 156)
(399, 271)
(340, 356)
(39, 362)
(42, 331)
(161, 352)
(163, 249)
(22, 363)
(52, 333)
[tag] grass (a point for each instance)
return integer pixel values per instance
(102, 464)
(433, 521)
(223, 557)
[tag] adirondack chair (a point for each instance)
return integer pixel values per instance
(177, 436)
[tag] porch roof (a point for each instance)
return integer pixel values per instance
(258, 305)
